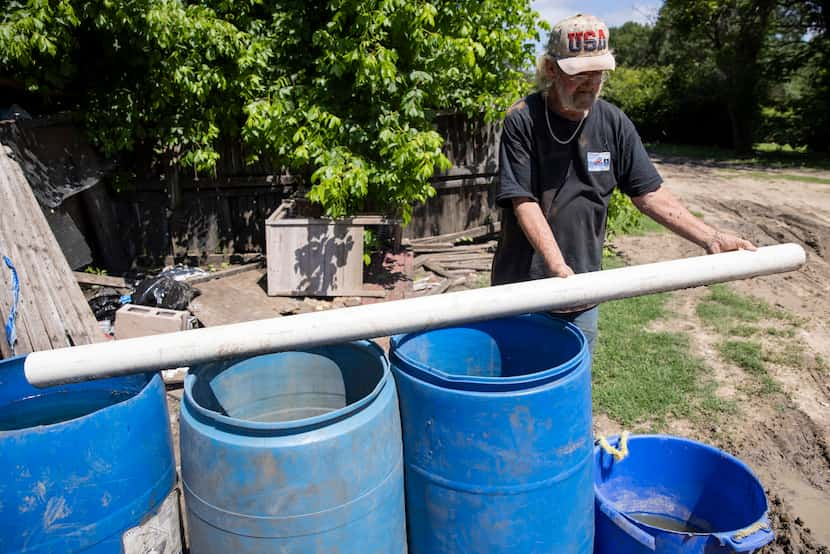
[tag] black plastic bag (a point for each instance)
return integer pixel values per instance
(164, 292)
(105, 303)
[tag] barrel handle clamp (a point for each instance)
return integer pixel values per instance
(619, 453)
(749, 538)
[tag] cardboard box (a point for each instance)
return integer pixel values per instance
(133, 320)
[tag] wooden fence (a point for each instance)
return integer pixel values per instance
(210, 220)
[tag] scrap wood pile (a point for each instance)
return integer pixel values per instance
(456, 259)
(41, 305)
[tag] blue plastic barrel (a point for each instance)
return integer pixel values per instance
(674, 495)
(81, 465)
(497, 437)
(294, 452)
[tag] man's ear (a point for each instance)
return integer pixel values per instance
(550, 68)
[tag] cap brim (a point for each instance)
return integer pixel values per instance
(580, 64)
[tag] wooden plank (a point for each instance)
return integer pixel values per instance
(32, 255)
(62, 304)
(473, 232)
(442, 286)
(76, 323)
(374, 220)
(487, 169)
(425, 247)
(100, 280)
(370, 293)
(476, 266)
(461, 256)
(13, 226)
(418, 261)
(25, 324)
(429, 248)
(445, 285)
(222, 273)
(438, 269)
(479, 183)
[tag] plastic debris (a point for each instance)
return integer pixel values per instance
(164, 291)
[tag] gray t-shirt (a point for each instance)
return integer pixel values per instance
(572, 183)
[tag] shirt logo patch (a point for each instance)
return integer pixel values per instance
(599, 161)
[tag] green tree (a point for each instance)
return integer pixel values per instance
(643, 93)
(632, 45)
(342, 93)
(796, 63)
(731, 33)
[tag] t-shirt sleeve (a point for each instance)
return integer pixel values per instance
(636, 174)
(515, 160)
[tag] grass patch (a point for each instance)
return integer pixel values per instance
(750, 356)
(726, 311)
(642, 375)
(821, 364)
(763, 155)
(781, 332)
(767, 385)
(790, 355)
(777, 177)
(734, 315)
(744, 354)
(742, 330)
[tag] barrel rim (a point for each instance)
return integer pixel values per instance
(296, 425)
(147, 376)
(472, 383)
(603, 500)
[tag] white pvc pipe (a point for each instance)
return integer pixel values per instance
(186, 348)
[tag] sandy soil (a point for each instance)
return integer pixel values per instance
(783, 437)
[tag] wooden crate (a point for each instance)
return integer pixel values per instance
(314, 257)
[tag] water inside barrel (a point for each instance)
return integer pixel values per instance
(56, 407)
(668, 523)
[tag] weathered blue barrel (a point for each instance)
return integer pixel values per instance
(497, 437)
(294, 452)
(672, 495)
(83, 466)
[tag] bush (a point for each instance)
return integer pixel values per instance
(342, 93)
(643, 94)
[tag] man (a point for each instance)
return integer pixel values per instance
(562, 153)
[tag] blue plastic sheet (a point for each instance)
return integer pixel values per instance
(11, 332)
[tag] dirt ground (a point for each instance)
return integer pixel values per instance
(783, 437)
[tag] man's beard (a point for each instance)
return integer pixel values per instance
(579, 101)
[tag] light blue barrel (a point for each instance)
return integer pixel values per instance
(84, 465)
(294, 452)
(497, 437)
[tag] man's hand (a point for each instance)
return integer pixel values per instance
(724, 242)
(561, 270)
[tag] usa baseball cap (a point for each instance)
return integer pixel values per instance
(580, 43)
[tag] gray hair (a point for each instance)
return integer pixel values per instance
(542, 80)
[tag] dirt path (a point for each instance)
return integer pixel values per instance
(784, 437)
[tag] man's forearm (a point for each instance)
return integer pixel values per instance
(539, 235)
(664, 208)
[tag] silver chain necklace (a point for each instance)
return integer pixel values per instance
(547, 120)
